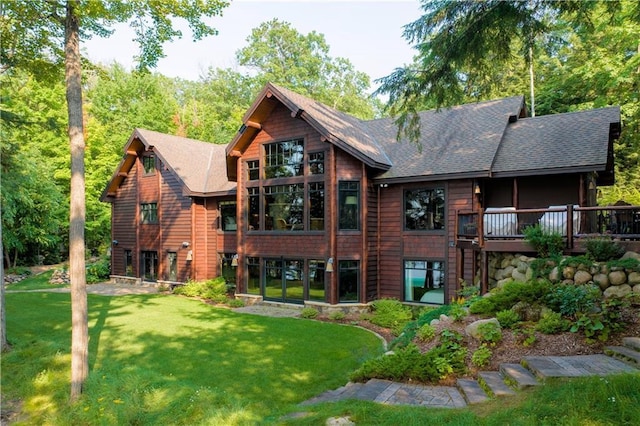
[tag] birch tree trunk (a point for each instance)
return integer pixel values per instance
(79, 310)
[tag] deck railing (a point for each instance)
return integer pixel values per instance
(621, 222)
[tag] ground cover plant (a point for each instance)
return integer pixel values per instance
(162, 359)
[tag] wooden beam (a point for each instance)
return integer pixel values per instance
(123, 174)
(132, 152)
(253, 125)
(235, 153)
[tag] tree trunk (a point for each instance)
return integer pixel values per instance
(79, 317)
(3, 322)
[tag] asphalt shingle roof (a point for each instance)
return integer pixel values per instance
(200, 165)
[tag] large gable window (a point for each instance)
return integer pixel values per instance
(284, 159)
(424, 209)
(149, 164)
(284, 205)
(349, 205)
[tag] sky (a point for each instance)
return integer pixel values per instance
(366, 32)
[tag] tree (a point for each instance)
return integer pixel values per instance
(32, 33)
(281, 55)
(463, 41)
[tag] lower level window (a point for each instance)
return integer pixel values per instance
(348, 280)
(227, 270)
(149, 260)
(424, 281)
(172, 265)
(316, 280)
(253, 281)
(128, 263)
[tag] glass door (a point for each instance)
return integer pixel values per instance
(284, 280)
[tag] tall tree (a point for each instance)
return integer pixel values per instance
(281, 55)
(463, 41)
(41, 35)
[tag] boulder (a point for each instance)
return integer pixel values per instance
(568, 272)
(617, 277)
(617, 291)
(554, 275)
(636, 288)
(601, 280)
(633, 278)
(472, 329)
(582, 277)
(631, 255)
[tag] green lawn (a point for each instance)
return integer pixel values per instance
(170, 360)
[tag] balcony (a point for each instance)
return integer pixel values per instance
(502, 229)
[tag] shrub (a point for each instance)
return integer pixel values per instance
(467, 291)
(482, 306)
(603, 249)
(390, 313)
(426, 333)
(570, 299)
(481, 356)
(309, 313)
(336, 315)
(507, 318)
(214, 289)
(98, 271)
(235, 303)
(552, 323)
(510, 294)
(457, 312)
(546, 244)
(490, 333)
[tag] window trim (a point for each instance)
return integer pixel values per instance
(426, 261)
(358, 207)
(267, 155)
(443, 220)
(154, 219)
(152, 170)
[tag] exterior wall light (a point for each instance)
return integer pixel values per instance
(329, 267)
(185, 244)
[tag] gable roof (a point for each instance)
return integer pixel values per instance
(199, 166)
(345, 131)
(581, 141)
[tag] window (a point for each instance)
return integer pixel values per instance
(424, 209)
(317, 290)
(348, 280)
(349, 205)
(228, 216)
(172, 265)
(284, 206)
(227, 271)
(284, 159)
(253, 279)
(424, 281)
(316, 206)
(254, 208)
(149, 265)
(149, 164)
(128, 263)
(149, 213)
(316, 163)
(254, 169)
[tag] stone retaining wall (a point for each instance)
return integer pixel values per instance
(613, 281)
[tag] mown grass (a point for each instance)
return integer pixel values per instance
(169, 360)
(35, 282)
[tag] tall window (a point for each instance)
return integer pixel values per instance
(253, 280)
(172, 265)
(254, 208)
(253, 167)
(128, 263)
(349, 205)
(149, 164)
(284, 206)
(316, 163)
(317, 289)
(149, 213)
(424, 209)
(284, 159)
(348, 280)
(228, 215)
(316, 206)
(149, 265)
(227, 271)
(424, 281)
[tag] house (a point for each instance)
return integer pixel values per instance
(172, 210)
(334, 210)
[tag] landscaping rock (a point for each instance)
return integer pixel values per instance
(633, 278)
(636, 288)
(617, 291)
(527, 311)
(568, 272)
(617, 278)
(339, 421)
(582, 277)
(519, 276)
(631, 255)
(554, 275)
(602, 281)
(472, 329)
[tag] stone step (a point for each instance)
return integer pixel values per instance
(518, 375)
(472, 391)
(494, 383)
(624, 353)
(631, 343)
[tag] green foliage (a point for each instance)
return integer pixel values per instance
(602, 249)
(337, 316)
(542, 267)
(426, 316)
(457, 312)
(568, 299)
(481, 356)
(309, 313)
(630, 264)
(510, 294)
(545, 243)
(98, 271)
(235, 303)
(525, 336)
(490, 333)
(426, 333)
(507, 318)
(390, 313)
(552, 323)
(482, 306)
(602, 323)
(214, 289)
(468, 291)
